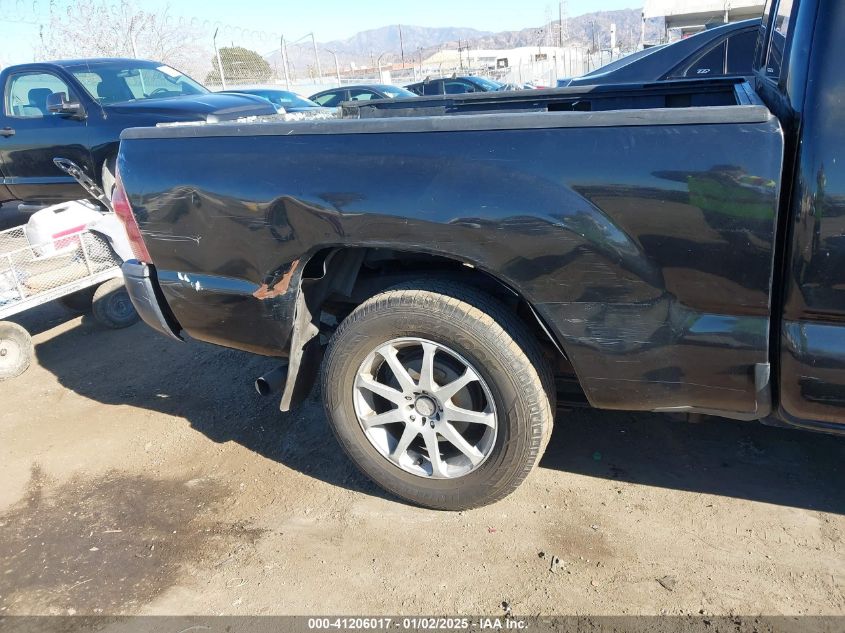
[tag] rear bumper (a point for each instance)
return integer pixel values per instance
(142, 286)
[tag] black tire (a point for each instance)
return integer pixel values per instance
(109, 178)
(80, 301)
(112, 306)
(498, 347)
(16, 350)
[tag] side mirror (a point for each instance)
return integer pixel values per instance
(58, 103)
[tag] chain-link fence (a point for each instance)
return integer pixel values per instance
(225, 56)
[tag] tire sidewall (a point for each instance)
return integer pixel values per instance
(472, 340)
(102, 305)
(21, 338)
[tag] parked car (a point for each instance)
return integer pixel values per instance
(334, 97)
(76, 109)
(457, 85)
(288, 101)
(726, 50)
(471, 272)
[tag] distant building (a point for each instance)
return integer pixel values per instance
(691, 16)
(543, 64)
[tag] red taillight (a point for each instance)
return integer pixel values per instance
(70, 241)
(123, 210)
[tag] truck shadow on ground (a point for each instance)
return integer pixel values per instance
(212, 389)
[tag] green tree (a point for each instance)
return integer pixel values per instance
(240, 65)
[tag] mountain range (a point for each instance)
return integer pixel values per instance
(591, 30)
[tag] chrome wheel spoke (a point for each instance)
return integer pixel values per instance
(388, 393)
(408, 436)
(433, 448)
(457, 414)
(446, 392)
(451, 435)
(427, 368)
(380, 419)
(389, 354)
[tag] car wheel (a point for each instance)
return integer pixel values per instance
(79, 301)
(439, 394)
(112, 306)
(16, 350)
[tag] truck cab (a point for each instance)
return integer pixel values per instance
(796, 78)
(76, 109)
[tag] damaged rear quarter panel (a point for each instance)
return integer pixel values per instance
(647, 249)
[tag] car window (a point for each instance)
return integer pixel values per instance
(759, 49)
(710, 64)
(331, 99)
(26, 94)
(120, 82)
(741, 52)
(777, 42)
(433, 88)
(457, 87)
(363, 95)
(417, 89)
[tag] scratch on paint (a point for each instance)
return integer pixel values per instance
(265, 291)
(186, 279)
(167, 237)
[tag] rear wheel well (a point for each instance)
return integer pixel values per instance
(336, 281)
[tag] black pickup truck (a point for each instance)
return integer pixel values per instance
(76, 109)
(461, 265)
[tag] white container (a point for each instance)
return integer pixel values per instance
(51, 230)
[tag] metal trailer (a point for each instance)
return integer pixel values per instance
(81, 269)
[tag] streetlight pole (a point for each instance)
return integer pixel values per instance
(402, 46)
(285, 63)
(336, 66)
(219, 62)
(378, 63)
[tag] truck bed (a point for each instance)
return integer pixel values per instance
(666, 94)
(642, 236)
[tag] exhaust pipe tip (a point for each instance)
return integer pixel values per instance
(271, 382)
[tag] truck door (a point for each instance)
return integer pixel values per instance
(812, 345)
(31, 137)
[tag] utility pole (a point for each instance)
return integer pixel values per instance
(642, 32)
(316, 56)
(219, 61)
(285, 63)
(402, 46)
(560, 24)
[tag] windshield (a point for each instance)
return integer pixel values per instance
(488, 84)
(291, 100)
(395, 92)
(624, 61)
(121, 83)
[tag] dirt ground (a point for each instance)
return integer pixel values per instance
(140, 476)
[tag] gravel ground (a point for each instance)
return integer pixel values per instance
(146, 477)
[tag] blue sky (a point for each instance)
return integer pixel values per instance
(336, 19)
(330, 19)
